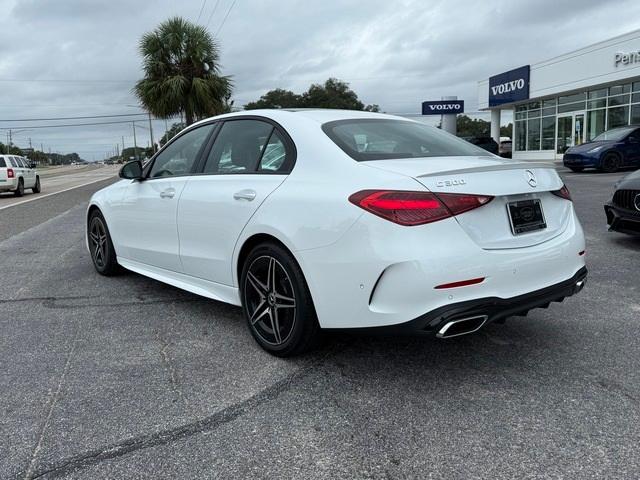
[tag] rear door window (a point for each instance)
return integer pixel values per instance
(14, 162)
(238, 147)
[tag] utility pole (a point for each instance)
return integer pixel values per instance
(153, 147)
(135, 143)
(30, 146)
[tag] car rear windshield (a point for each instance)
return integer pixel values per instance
(382, 139)
(613, 135)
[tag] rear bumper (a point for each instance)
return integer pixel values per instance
(493, 309)
(622, 220)
(9, 185)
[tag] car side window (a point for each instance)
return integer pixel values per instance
(3, 163)
(238, 147)
(180, 155)
(13, 161)
(274, 158)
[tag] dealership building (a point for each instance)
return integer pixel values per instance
(567, 100)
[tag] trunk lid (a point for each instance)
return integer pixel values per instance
(506, 180)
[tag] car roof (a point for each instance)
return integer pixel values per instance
(318, 115)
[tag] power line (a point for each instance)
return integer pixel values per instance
(201, 9)
(225, 18)
(212, 12)
(69, 125)
(74, 118)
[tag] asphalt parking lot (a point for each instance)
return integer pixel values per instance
(128, 378)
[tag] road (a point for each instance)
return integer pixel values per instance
(125, 377)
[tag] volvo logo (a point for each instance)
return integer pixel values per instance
(510, 86)
(636, 202)
(531, 179)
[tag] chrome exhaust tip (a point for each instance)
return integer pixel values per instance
(462, 326)
(580, 285)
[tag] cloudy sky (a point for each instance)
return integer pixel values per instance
(68, 58)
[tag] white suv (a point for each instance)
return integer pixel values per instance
(16, 174)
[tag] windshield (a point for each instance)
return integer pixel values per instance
(381, 139)
(614, 135)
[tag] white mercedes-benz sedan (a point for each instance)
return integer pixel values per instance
(329, 219)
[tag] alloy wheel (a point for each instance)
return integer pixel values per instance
(98, 242)
(270, 300)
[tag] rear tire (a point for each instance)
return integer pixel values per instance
(576, 169)
(20, 190)
(610, 163)
(36, 188)
(276, 302)
(101, 248)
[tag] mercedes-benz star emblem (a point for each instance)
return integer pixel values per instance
(531, 179)
(636, 202)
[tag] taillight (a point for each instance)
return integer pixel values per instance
(10, 173)
(563, 193)
(416, 208)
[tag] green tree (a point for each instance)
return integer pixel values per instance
(333, 93)
(472, 127)
(507, 130)
(182, 73)
(172, 132)
(277, 98)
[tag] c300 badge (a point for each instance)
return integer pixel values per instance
(450, 183)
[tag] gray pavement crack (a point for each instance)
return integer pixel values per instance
(50, 406)
(207, 424)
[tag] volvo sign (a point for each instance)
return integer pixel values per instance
(508, 87)
(442, 107)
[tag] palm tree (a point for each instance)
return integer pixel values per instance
(182, 74)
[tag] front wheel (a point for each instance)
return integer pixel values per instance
(276, 302)
(36, 188)
(610, 163)
(103, 254)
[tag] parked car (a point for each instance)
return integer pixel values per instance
(609, 151)
(504, 149)
(17, 174)
(623, 211)
(486, 143)
(332, 219)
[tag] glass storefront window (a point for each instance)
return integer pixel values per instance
(576, 97)
(617, 117)
(636, 86)
(602, 93)
(635, 98)
(570, 107)
(534, 113)
(619, 100)
(521, 115)
(548, 133)
(551, 102)
(534, 105)
(600, 103)
(521, 108)
(533, 134)
(635, 115)
(595, 123)
(521, 136)
(618, 89)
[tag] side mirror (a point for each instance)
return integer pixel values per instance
(131, 170)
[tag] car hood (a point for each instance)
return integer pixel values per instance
(630, 182)
(585, 147)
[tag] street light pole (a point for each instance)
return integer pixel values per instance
(153, 147)
(135, 143)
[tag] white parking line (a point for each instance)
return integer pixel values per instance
(54, 193)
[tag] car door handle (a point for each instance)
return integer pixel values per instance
(245, 195)
(168, 193)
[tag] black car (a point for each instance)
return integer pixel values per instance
(488, 143)
(609, 151)
(623, 211)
